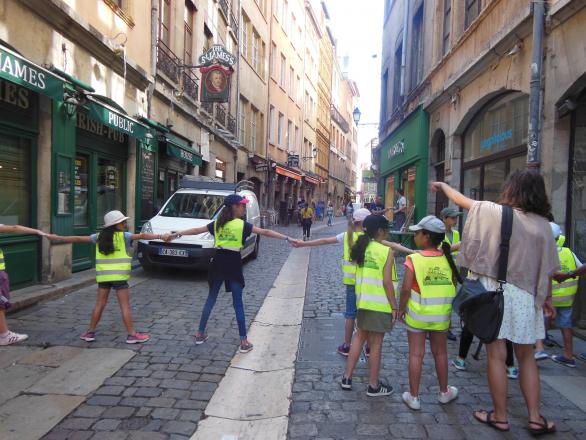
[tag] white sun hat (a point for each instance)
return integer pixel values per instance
(113, 218)
(360, 214)
(430, 223)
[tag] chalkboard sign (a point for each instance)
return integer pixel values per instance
(147, 180)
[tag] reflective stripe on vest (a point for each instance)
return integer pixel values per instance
(432, 308)
(370, 291)
(563, 294)
(2, 263)
(455, 239)
(229, 237)
(115, 266)
(348, 267)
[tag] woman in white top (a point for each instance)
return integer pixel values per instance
(533, 260)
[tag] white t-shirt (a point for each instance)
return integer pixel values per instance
(402, 202)
(340, 237)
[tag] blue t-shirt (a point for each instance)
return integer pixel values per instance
(127, 240)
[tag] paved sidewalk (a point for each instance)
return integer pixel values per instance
(320, 409)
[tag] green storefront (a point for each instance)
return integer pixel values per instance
(22, 85)
(403, 162)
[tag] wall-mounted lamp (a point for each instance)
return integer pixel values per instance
(313, 154)
(515, 49)
(356, 114)
(71, 103)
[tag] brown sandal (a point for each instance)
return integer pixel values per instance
(544, 427)
(489, 421)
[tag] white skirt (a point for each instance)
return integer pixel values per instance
(522, 319)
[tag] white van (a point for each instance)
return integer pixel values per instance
(198, 202)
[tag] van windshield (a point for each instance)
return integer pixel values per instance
(200, 206)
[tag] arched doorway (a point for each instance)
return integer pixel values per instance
(437, 152)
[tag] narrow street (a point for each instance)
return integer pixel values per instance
(160, 390)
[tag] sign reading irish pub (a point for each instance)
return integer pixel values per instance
(215, 66)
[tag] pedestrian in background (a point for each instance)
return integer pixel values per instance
(375, 302)
(429, 287)
(230, 233)
(527, 293)
(307, 215)
(449, 216)
(113, 266)
(466, 338)
(8, 337)
(563, 295)
(573, 274)
(378, 207)
(399, 211)
(330, 213)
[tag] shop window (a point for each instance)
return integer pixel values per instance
(110, 188)
(495, 174)
(220, 169)
(80, 185)
(63, 186)
(15, 181)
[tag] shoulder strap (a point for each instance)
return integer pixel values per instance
(506, 230)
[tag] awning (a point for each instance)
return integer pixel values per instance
(19, 70)
(311, 180)
(180, 149)
(154, 124)
(285, 172)
(113, 118)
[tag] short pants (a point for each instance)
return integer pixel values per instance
(563, 318)
(116, 285)
(4, 291)
(350, 302)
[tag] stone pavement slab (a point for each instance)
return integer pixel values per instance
(51, 356)
(17, 378)
(11, 353)
(572, 388)
(214, 428)
(280, 310)
(83, 373)
(30, 417)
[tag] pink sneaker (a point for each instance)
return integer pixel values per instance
(12, 338)
(88, 336)
(137, 338)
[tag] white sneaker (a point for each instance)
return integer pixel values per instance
(412, 402)
(448, 396)
(12, 338)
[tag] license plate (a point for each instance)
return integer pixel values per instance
(173, 252)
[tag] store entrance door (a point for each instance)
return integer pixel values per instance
(99, 188)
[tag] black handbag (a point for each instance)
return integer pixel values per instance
(482, 313)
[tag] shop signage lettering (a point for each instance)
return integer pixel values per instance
(261, 168)
(396, 150)
(10, 93)
(217, 54)
(20, 71)
(117, 121)
(87, 124)
(120, 122)
(495, 139)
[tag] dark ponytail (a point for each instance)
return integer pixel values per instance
(359, 249)
(448, 253)
(371, 225)
(105, 240)
(226, 215)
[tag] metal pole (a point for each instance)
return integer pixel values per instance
(533, 136)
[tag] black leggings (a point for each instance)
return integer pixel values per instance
(466, 341)
(306, 227)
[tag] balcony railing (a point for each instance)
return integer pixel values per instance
(190, 84)
(221, 115)
(168, 62)
(225, 8)
(339, 119)
(208, 107)
(231, 125)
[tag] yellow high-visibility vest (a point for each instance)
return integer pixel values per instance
(348, 267)
(229, 236)
(455, 239)
(115, 266)
(2, 263)
(563, 294)
(431, 308)
(370, 290)
(561, 241)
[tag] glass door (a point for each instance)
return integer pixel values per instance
(82, 225)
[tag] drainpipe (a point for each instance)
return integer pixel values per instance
(534, 135)
(237, 86)
(154, 30)
(404, 47)
(270, 196)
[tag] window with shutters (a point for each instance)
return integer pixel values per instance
(165, 21)
(255, 60)
(188, 24)
(473, 8)
(447, 26)
(253, 119)
(283, 71)
(417, 49)
(244, 36)
(272, 124)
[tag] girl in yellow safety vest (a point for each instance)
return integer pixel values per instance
(426, 306)
(230, 233)
(375, 301)
(113, 266)
(347, 240)
(8, 337)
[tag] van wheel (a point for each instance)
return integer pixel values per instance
(254, 253)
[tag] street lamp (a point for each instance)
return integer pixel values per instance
(356, 115)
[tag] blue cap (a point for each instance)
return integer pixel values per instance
(235, 199)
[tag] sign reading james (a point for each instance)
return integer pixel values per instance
(216, 69)
(20, 71)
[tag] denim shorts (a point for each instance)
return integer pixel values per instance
(350, 302)
(116, 285)
(4, 291)
(563, 318)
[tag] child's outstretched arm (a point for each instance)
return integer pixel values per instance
(396, 247)
(18, 229)
(70, 238)
(269, 233)
(145, 236)
(318, 242)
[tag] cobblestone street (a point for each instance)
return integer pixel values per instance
(320, 409)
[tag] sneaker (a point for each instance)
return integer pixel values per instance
(344, 349)
(540, 355)
(451, 336)
(12, 338)
(88, 336)
(582, 356)
(448, 396)
(564, 361)
(459, 364)
(412, 402)
(382, 390)
(245, 347)
(346, 383)
(512, 373)
(200, 338)
(137, 338)
(367, 351)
